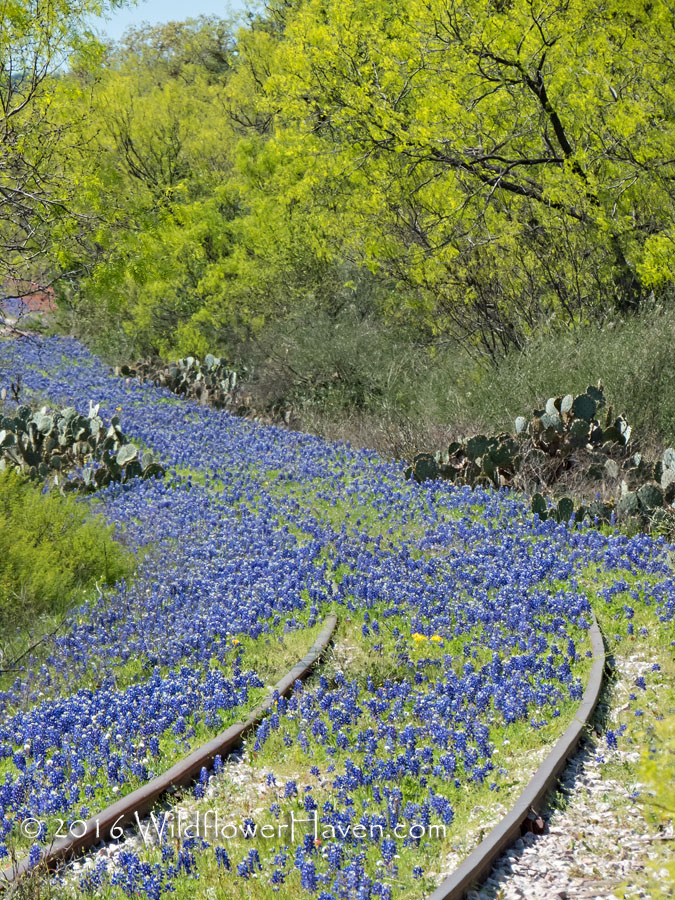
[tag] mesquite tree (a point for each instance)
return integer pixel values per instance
(39, 40)
(507, 160)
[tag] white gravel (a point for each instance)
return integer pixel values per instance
(598, 842)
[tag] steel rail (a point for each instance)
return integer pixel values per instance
(141, 801)
(478, 865)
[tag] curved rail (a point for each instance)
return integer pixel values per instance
(477, 866)
(141, 801)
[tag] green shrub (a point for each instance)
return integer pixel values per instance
(51, 549)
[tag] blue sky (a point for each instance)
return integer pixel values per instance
(155, 11)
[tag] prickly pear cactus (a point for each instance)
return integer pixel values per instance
(567, 434)
(69, 450)
(211, 382)
(424, 467)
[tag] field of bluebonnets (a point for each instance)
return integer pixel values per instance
(461, 651)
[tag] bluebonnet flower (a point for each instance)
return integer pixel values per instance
(290, 789)
(277, 878)
(255, 560)
(388, 849)
(186, 861)
(308, 878)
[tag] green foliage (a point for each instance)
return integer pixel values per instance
(36, 39)
(51, 549)
(657, 773)
(479, 154)
(362, 200)
(155, 182)
(491, 168)
(658, 769)
(631, 357)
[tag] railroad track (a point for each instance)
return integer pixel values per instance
(468, 876)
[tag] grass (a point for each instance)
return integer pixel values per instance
(419, 397)
(367, 661)
(639, 776)
(476, 806)
(657, 773)
(270, 656)
(644, 718)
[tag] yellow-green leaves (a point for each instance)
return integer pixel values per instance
(39, 39)
(518, 150)
(499, 163)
